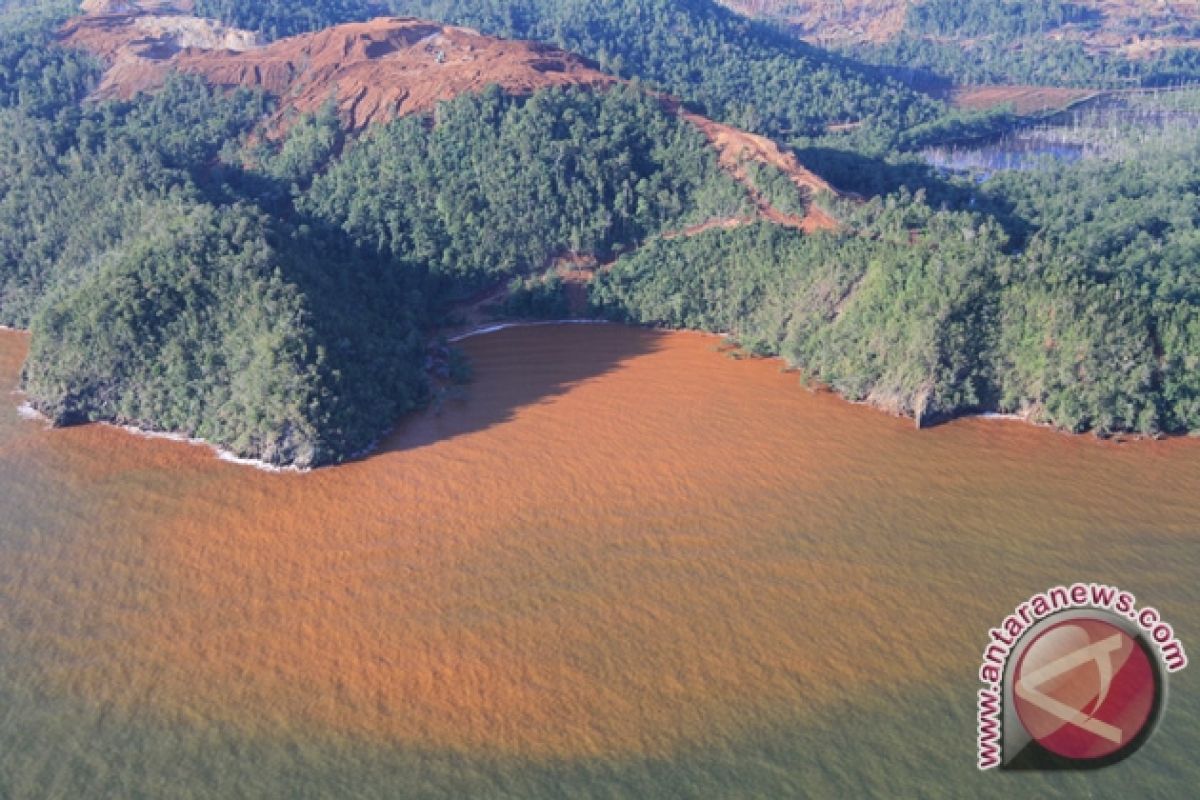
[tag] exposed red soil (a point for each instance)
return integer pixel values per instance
(141, 49)
(374, 70)
(737, 147)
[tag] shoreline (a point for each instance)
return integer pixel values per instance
(221, 453)
(1001, 416)
(27, 412)
(230, 457)
(503, 326)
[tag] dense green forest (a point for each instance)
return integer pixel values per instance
(158, 297)
(1092, 322)
(215, 322)
(1007, 18)
(895, 309)
(36, 76)
(732, 69)
(180, 273)
(501, 186)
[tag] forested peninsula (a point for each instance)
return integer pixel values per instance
(213, 231)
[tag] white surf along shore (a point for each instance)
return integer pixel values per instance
(28, 412)
(502, 326)
(221, 453)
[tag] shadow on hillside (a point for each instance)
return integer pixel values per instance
(372, 315)
(871, 176)
(515, 369)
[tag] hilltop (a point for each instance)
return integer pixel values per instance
(378, 71)
(374, 71)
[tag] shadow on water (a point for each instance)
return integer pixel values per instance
(372, 311)
(516, 368)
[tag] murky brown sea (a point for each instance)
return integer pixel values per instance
(625, 564)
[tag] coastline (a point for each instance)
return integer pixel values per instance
(221, 453)
(503, 326)
(1001, 416)
(27, 412)
(230, 457)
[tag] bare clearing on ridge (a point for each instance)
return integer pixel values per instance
(379, 70)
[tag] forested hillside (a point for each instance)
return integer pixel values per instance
(212, 261)
(1091, 323)
(35, 75)
(178, 274)
(733, 70)
(157, 298)
(500, 187)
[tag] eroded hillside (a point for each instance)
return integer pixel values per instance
(374, 70)
(377, 71)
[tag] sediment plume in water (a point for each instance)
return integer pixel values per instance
(620, 543)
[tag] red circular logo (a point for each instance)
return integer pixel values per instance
(1084, 689)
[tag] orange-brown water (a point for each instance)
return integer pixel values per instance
(623, 558)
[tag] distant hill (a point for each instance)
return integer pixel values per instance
(1134, 26)
(726, 67)
(1052, 42)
